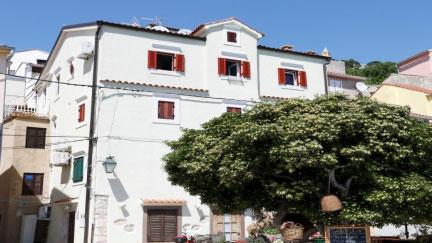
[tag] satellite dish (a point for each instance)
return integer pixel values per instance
(362, 87)
(160, 28)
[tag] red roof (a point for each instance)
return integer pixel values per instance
(410, 87)
(345, 76)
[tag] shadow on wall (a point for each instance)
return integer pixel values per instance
(13, 205)
(118, 189)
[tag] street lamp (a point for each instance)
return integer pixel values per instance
(109, 164)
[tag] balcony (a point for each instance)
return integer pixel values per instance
(22, 111)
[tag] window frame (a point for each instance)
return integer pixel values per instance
(229, 34)
(335, 89)
(27, 138)
(295, 74)
(238, 65)
(171, 116)
(177, 108)
(238, 36)
(31, 190)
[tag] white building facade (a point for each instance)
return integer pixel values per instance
(151, 83)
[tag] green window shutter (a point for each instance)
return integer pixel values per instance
(78, 169)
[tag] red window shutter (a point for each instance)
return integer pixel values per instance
(161, 109)
(246, 69)
(179, 63)
(302, 78)
(221, 66)
(170, 110)
(233, 109)
(152, 59)
(81, 113)
(281, 75)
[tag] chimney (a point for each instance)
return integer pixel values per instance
(287, 48)
(311, 52)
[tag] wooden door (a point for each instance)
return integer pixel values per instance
(71, 227)
(230, 225)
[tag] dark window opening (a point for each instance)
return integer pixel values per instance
(291, 78)
(35, 137)
(41, 61)
(232, 37)
(232, 68)
(32, 184)
(165, 61)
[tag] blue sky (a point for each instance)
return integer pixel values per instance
(365, 30)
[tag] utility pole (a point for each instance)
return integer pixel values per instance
(92, 138)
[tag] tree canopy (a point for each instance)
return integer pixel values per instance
(374, 71)
(276, 156)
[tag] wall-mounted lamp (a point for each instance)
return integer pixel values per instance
(109, 164)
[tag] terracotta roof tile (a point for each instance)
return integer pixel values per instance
(410, 87)
(274, 97)
(163, 202)
(345, 76)
(155, 85)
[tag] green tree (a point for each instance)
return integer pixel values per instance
(375, 72)
(276, 156)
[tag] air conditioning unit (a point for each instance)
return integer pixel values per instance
(87, 49)
(61, 158)
(44, 212)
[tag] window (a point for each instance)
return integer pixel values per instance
(229, 225)
(81, 113)
(335, 86)
(233, 68)
(78, 169)
(231, 37)
(32, 184)
(292, 77)
(166, 110)
(161, 225)
(166, 61)
(234, 109)
(35, 137)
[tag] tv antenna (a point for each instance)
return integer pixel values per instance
(156, 20)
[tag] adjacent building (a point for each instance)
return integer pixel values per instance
(341, 82)
(412, 86)
(151, 82)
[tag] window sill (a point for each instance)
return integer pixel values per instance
(78, 183)
(232, 44)
(165, 72)
(81, 124)
(293, 87)
(166, 121)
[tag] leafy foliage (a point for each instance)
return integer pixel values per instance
(274, 156)
(375, 71)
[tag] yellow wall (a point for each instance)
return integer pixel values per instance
(417, 101)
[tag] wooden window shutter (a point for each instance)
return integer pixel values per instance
(281, 76)
(170, 110)
(78, 169)
(40, 137)
(170, 225)
(246, 69)
(221, 66)
(155, 225)
(30, 137)
(151, 63)
(180, 63)
(81, 113)
(302, 79)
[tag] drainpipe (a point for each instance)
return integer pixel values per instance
(326, 76)
(92, 138)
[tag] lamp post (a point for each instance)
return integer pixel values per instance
(109, 164)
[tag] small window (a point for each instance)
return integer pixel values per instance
(335, 86)
(166, 110)
(291, 77)
(35, 137)
(232, 68)
(234, 109)
(165, 61)
(231, 37)
(32, 184)
(81, 113)
(78, 169)
(57, 87)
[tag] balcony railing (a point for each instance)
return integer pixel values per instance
(21, 110)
